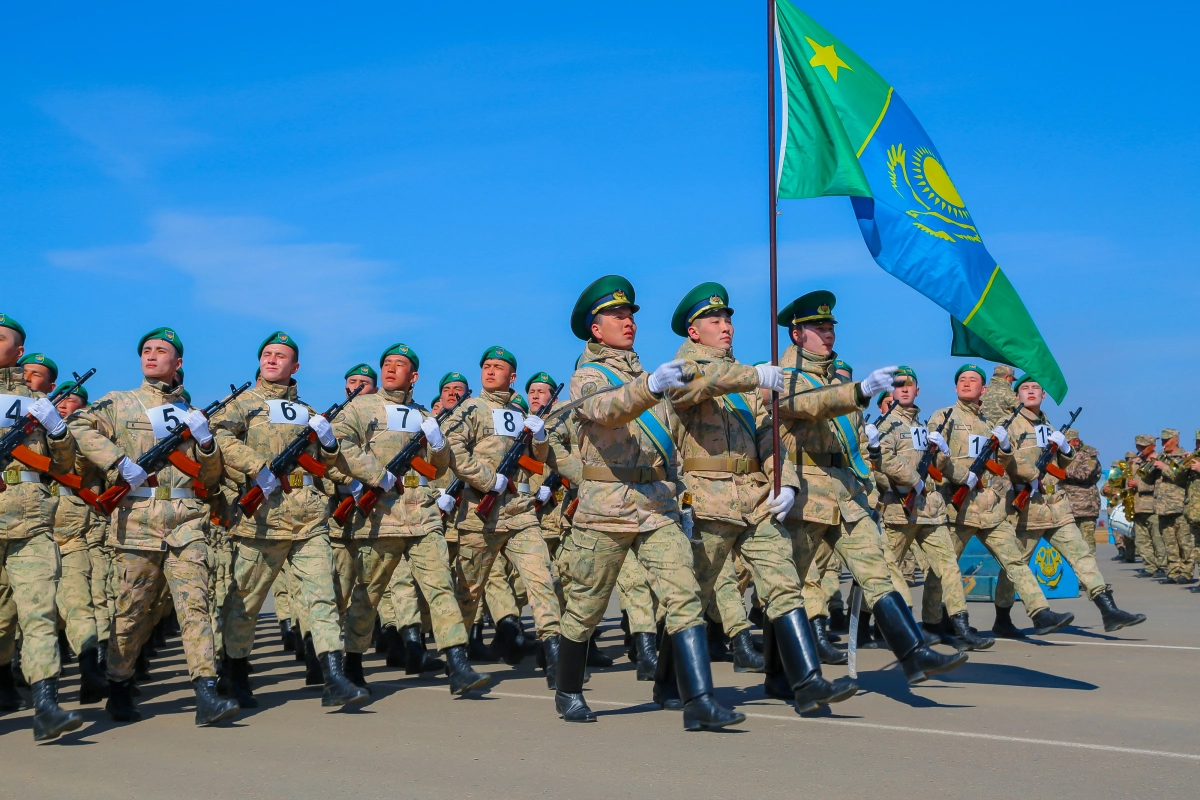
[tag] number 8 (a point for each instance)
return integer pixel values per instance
(509, 424)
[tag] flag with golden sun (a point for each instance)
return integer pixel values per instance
(847, 132)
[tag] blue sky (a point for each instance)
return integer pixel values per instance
(451, 176)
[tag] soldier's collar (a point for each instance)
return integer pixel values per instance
(275, 391)
(401, 397)
(503, 396)
(12, 376)
(167, 390)
(693, 349)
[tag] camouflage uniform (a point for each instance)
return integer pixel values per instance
(1000, 400)
(1083, 473)
(27, 553)
(1170, 492)
(72, 519)
(157, 531)
(287, 526)
(1145, 516)
(1191, 505)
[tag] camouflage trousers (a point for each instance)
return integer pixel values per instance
(1149, 542)
(592, 561)
(634, 595)
(936, 542)
(402, 604)
(1068, 541)
(861, 549)
(8, 620)
(140, 576)
(220, 575)
(283, 600)
(74, 600)
(375, 561)
(1178, 543)
(344, 575)
(724, 605)
(822, 582)
(256, 565)
(32, 568)
(477, 551)
(527, 554)
(1009, 548)
(101, 556)
(766, 550)
(1087, 527)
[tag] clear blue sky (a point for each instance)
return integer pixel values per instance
(452, 175)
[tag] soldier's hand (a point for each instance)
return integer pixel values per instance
(433, 433)
(543, 494)
(45, 412)
(445, 502)
(388, 481)
(1059, 438)
(1160, 465)
(936, 438)
(198, 424)
(324, 431)
(667, 376)
(267, 481)
(537, 426)
(1195, 467)
(770, 377)
(501, 483)
(781, 505)
(356, 489)
(920, 487)
(972, 480)
(879, 380)
(1035, 486)
(872, 436)
(1001, 437)
(131, 473)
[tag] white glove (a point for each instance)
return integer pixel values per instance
(872, 436)
(445, 502)
(920, 487)
(879, 380)
(198, 424)
(770, 377)
(780, 506)
(387, 481)
(1001, 437)
(1059, 438)
(501, 483)
(324, 431)
(134, 475)
(356, 489)
(48, 415)
(667, 376)
(537, 426)
(543, 494)
(266, 481)
(1035, 486)
(433, 433)
(972, 480)
(940, 441)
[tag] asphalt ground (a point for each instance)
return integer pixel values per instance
(1080, 713)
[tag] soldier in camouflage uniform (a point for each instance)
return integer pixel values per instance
(291, 526)
(1191, 504)
(404, 524)
(999, 399)
(1170, 491)
(158, 528)
(1141, 481)
(1048, 514)
(1083, 473)
(627, 502)
(821, 435)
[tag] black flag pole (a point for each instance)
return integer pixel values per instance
(772, 201)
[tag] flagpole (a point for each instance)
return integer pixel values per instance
(772, 198)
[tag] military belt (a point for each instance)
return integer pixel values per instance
(1028, 487)
(298, 479)
(807, 459)
(58, 490)
(523, 488)
(21, 476)
(162, 493)
(624, 474)
(737, 466)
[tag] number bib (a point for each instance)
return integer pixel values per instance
(288, 412)
(976, 444)
(507, 422)
(403, 418)
(920, 437)
(13, 408)
(163, 419)
(1042, 432)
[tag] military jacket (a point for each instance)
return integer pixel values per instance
(1191, 503)
(900, 453)
(373, 429)
(830, 491)
(76, 525)
(124, 424)
(480, 432)
(710, 428)
(1050, 507)
(1170, 490)
(1083, 475)
(251, 431)
(563, 458)
(984, 506)
(1141, 481)
(25, 507)
(999, 401)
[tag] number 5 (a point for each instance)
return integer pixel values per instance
(169, 417)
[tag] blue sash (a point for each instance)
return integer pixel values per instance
(846, 434)
(651, 425)
(736, 404)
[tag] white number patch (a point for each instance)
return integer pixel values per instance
(1043, 434)
(976, 444)
(403, 418)
(507, 422)
(287, 412)
(13, 409)
(163, 419)
(920, 437)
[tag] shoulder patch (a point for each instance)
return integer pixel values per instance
(590, 388)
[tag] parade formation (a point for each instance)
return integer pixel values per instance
(713, 496)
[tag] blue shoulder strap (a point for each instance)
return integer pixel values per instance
(650, 424)
(736, 404)
(847, 436)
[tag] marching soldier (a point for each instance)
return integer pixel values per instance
(1169, 494)
(361, 375)
(1141, 481)
(999, 398)
(1083, 473)
(158, 528)
(1191, 505)
(452, 388)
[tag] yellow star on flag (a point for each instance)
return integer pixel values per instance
(826, 57)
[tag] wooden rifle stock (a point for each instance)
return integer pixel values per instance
(1046, 465)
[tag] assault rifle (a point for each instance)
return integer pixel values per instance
(166, 451)
(925, 468)
(554, 483)
(514, 459)
(984, 461)
(1045, 464)
(455, 490)
(295, 454)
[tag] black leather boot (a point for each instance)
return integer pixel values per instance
(64, 649)
(240, 688)
(775, 683)
(352, 666)
(646, 655)
(102, 653)
(417, 658)
(477, 649)
(904, 638)
(377, 638)
(158, 635)
(312, 673)
(967, 639)
(568, 692)
(93, 686)
(837, 620)
(50, 719)
(141, 667)
(718, 650)
(745, 657)
(865, 640)
(339, 690)
(701, 711)
(550, 659)
(825, 649)
(120, 702)
(940, 632)
(1114, 618)
(10, 698)
(393, 646)
(1047, 621)
(596, 657)
(628, 640)
(458, 669)
(285, 634)
(211, 707)
(801, 663)
(666, 691)
(515, 646)
(298, 639)
(1003, 627)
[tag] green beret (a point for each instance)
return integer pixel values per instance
(81, 393)
(540, 377)
(1026, 378)
(813, 307)
(168, 335)
(884, 395)
(279, 337)
(179, 375)
(903, 371)
(187, 396)
(41, 360)
(978, 370)
(453, 377)
(498, 352)
(838, 364)
(362, 369)
(699, 301)
(399, 349)
(8, 322)
(519, 401)
(437, 398)
(611, 291)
